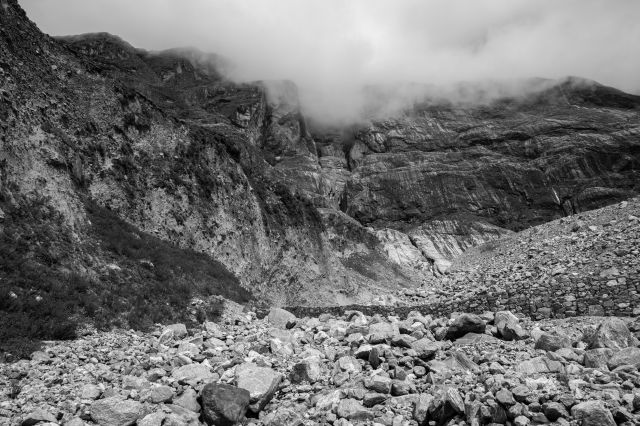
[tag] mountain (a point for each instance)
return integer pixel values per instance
(137, 186)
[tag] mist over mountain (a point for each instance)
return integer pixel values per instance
(332, 49)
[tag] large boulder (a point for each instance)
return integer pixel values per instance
(626, 356)
(465, 323)
(281, 318)
(116, 411)
(426, 348)
(592, 413)
(380, 332)
(509, 327)
(612, 333)
(597, 358)
(224, 405)
(261, 382)
(552, 342)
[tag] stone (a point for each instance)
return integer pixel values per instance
(463, 324)
(426, 348)
(400, 388)
(308, 370)
(380, 332)
(188, 399)
(421, 408)
(160, 394)
(552, 342)
(539, 365)
(37, 416)
(380, 384)
(505, 397)
(281, 318)
(175, 331)
(554, 410)
(597, 358)
(626, 356)
(90, 391)
(192, 373)
(261, 382)
(352, 409)
(373, 398)
(508, 326)
(592, 413)
(115, 411)
(349, 364)
(612, 333)
(224, 404)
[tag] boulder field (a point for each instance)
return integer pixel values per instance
(352, 369)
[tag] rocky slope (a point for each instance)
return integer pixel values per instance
(97, 135)
(343, 370)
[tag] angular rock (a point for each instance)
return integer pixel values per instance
(552, 342)
(379, 384)
(38, 415)
(261, 382)
(115, 411)
(626, 356)
(188, 400)
(540, 365)
(554, 410)
(597, 358)
(160, 394)
(192, 373)
(372, 398)
(463, 324)
(352, 409)
(426, 348)
(381, 331)
(508, 326)
(349, 364)
(308, 370)
(224, 405)
(592, 413)
(281, 318)
(612, 333)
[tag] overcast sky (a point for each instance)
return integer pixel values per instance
(331, 47)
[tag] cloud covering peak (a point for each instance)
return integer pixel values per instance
(331, 48)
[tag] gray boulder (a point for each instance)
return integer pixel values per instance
(224, 405)
(552, 342)
(281, 318)
(626, 356)
(465, 323)
(261, 382)
(612, 333)
(592, 413)
(116, 411)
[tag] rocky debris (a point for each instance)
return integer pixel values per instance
(334, 374)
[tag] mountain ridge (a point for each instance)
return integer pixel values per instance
(298, 214)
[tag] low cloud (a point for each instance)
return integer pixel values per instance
(333, 48)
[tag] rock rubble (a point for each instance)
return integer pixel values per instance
(351, 369)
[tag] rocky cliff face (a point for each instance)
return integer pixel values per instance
(300, 214)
